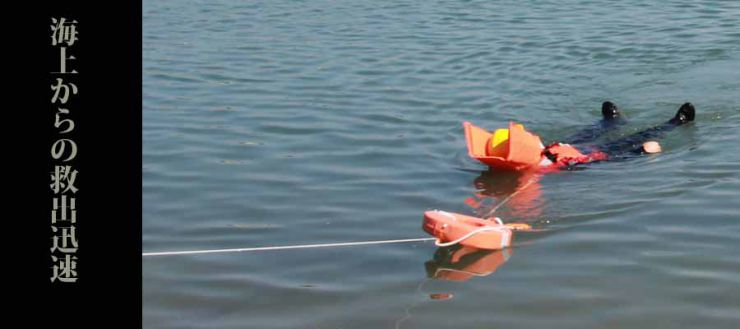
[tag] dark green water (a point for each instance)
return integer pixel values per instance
(298, 122)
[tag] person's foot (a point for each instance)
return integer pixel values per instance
(685, 114)
(609, 110)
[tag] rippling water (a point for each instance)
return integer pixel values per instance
(296, 122)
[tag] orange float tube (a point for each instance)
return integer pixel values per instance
(483, 234)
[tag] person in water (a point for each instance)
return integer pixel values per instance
(568, 153)
(510, 176)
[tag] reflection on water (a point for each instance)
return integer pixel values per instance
(457, 264)
(461, 263)
(520, 192)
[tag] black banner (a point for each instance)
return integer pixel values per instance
(80, 164)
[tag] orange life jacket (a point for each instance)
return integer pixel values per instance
(523, 150)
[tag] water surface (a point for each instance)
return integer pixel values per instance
(298, 122)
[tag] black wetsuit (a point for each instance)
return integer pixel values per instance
(628, 146)
(590, 134)
(631, 145)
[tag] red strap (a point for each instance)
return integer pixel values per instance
(567, 155)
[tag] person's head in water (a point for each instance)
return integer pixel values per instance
(609, 110)
(685, 114)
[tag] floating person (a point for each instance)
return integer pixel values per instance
(517, 149)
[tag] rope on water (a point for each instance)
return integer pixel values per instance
(501, 228)
(304, 246)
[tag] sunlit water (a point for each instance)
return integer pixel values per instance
(298, 122)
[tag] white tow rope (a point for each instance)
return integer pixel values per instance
(470, 234)
(304, 246)
(501, 229)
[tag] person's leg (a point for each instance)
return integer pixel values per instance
(633, 144)
(611, 118)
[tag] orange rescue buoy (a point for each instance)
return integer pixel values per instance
(450, 228)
